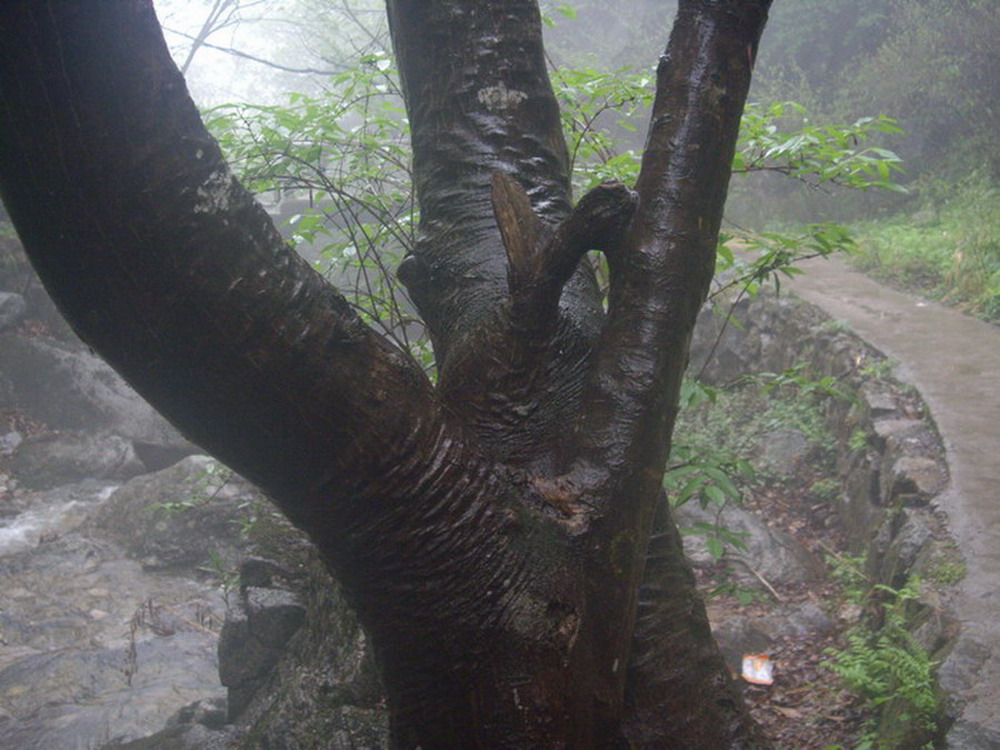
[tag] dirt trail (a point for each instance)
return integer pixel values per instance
(954, 361)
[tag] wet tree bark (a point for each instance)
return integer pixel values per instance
(502, 535)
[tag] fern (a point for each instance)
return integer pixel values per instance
(890, 664)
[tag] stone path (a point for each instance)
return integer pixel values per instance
(954, 361)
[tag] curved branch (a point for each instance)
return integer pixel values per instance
(170, 270)
(539, 261)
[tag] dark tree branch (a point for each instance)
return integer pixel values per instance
(662, 281)
(169, 269)
(521, 231)
(660, 275)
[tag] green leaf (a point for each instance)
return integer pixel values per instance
(715, 494)
(715, 547)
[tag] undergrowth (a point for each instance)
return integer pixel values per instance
(721, 432)
(949, 253)
(882, 661)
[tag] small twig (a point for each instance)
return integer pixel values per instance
(778, 597)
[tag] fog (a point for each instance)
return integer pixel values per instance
(258, 51)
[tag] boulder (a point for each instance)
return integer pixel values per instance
(64, 458)
(324, 690)
(913, 481)
(51, 695)
(770, 553)
(186, 515)
(900, 539)
(9, 440)
(68, 388)
(193, 736)
(795, 620)
(257, 630)
(784, 451)
(92, 648)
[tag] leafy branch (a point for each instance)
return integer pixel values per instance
(781, 138)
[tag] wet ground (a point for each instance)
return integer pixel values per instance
(954, 361)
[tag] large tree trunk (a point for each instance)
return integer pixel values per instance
(493, 532)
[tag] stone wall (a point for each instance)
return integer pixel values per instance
(890, 461)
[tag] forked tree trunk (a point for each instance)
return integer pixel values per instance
(502, 535)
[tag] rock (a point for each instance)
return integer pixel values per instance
(879, 403)
(9, 442)
(74, 456)
(784, 450)
(183, 737)
(69, 388)
(12, 309)
(898, 431)
(63, 672)
(901, 538)
(186, 515)
(198, 726)
(913, 481)
(253, 640)
(324, 690)
(209, 712)
(795, 620)
(274, 615)
(49, 514)
(967, 735)
(172, 671)
(773, 554)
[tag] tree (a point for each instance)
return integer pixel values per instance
(502, 534)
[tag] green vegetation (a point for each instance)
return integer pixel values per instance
(951, 254)
(946, 565)
(716, 457)
(347, 151)
(947, 571)
(205, 486)
(825, 489)
(858, 441)
(882, 660)
(226, 574)
(847, 59)
(879, 367)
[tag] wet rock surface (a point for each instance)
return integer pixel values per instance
(94, 648)
(126, 557)
(59, 459)
(187, 515)
(12, 309)
(91, 396)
